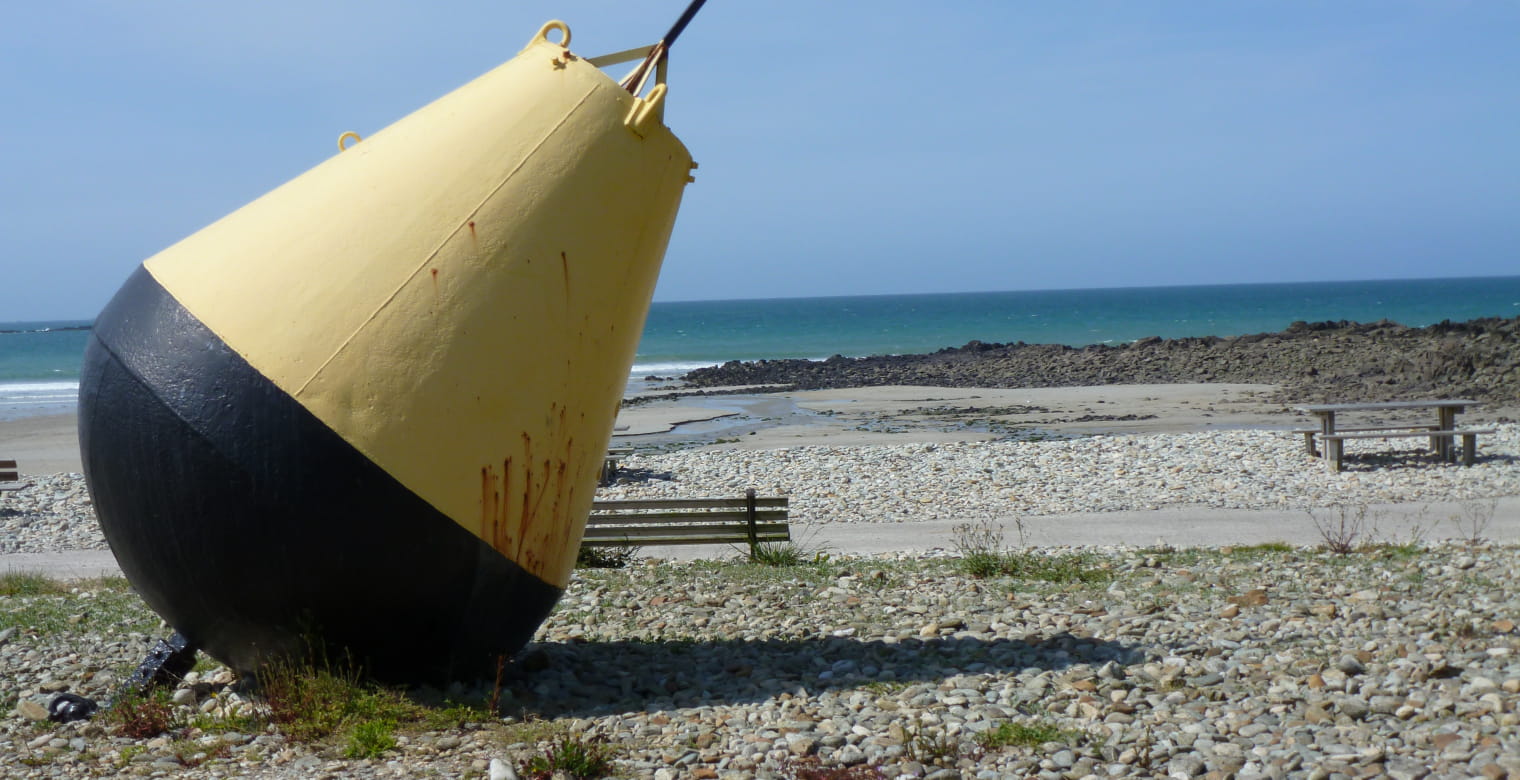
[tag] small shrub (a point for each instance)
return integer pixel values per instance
(142, 715)
(984, 537)
(370, 739)
(1473, 518)
(981, 548)
(572, 757)
(1346, 531)
(605, 557)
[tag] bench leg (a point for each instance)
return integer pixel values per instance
(1333, 455)
(1469, 448)
(1309, 444)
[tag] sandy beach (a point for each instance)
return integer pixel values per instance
(41, 445)
(863, 415)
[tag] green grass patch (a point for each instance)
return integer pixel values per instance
(309, 703)
(885, 687)
(20, 583)
(370, 739)
(76, 610)
(1024, 735)
(1251, 552)
(453, 716)
(1060, 568)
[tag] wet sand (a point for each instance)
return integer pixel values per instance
(889, 415)
(48, 444)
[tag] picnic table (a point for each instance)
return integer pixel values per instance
(1442, 434)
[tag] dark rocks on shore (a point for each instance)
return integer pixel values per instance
(1312, 362)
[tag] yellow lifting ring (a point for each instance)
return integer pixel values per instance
(554, 24)
(345, 137)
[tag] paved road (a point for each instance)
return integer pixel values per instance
(1182, 527)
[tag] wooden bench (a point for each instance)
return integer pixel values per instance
(610, 464)
(10, 478)
(748, 521)
(1334, 442)
(1310, 433)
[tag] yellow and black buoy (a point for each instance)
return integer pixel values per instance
(367, 410)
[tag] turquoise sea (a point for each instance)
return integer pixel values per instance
(39, 361)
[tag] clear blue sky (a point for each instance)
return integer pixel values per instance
(846, 148)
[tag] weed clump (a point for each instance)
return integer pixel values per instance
(605, 557)
(931, 748)
(142, 715)
(571, 757)
(778, 554)
(983, 556)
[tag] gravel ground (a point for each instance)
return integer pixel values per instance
(1242, 469)
(1222, 663)
(1399, 661)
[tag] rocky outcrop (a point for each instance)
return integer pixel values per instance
(1335, 361)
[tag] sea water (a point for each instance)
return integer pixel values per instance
(39, 362)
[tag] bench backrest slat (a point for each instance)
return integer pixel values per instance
(738, 532)
(687, 503)
(738, 540)
(701, 518)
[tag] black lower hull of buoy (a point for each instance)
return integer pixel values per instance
(258, 532)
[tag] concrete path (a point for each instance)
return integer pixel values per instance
(1177, 526)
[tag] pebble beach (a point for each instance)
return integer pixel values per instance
(1401, 659)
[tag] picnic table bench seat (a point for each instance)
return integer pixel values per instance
(1310, 433)
(610, 464)
(1335, 442)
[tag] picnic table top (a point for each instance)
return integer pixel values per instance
(1386, 405)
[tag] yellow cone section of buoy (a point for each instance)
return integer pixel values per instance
(460, 295)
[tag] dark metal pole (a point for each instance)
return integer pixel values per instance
(680, 25)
